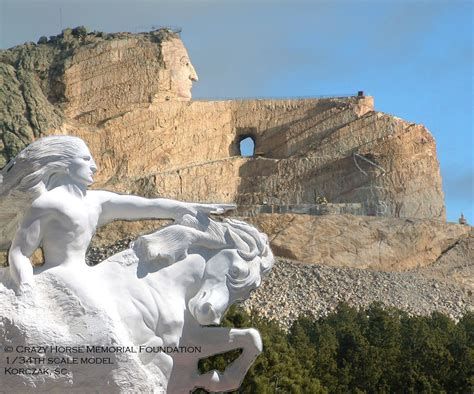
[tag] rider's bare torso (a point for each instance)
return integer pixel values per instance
(74, 218)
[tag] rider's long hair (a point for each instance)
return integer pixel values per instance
(32, 172)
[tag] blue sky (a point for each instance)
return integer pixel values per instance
(414, 57)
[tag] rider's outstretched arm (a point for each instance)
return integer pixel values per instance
(126, 207)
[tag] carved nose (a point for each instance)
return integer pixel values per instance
(209, 314)
(193, 76)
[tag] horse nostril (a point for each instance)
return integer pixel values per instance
(203, 295)
(206, 308)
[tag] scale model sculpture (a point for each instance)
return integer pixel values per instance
(161, 292)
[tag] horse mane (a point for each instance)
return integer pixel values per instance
(173, 243)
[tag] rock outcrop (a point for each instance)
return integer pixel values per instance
(84, 78)
(345, 241)
(376, 243)
(128, 96)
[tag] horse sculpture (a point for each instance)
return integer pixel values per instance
(194, 271)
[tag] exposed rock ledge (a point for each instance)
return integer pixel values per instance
(378, 243)
(128, 96)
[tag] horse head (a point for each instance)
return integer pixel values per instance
(236, 257)
(232, 273)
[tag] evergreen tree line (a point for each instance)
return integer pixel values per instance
(377, 350)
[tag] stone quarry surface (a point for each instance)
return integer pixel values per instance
(124, 90)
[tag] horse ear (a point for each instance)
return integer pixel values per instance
(250, 232)
(239, 244)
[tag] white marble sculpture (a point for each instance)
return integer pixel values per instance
(162, 293)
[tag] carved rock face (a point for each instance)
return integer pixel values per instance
(180, 73)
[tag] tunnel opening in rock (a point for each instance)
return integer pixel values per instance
(247, 146)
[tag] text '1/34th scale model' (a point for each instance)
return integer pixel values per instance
(147, 309)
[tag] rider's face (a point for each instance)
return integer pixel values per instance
(82, 168)
(182, 72)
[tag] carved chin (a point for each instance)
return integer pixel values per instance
(185, 94)
(183, 89)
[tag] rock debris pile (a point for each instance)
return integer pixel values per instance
(96, 254)
(294, 289)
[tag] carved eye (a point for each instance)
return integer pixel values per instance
(87, 158)
(234, 272)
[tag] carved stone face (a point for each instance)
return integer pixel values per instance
(83, 167)
(181, 71)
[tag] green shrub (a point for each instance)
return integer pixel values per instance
(80, 31)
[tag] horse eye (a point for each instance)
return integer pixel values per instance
(235, 272)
